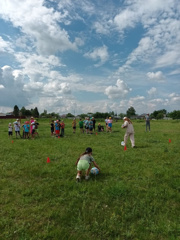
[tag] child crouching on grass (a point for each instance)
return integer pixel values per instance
(84, 163)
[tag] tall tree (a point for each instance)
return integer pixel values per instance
(131, 112)
(23, 111)
(36, 112)
(16, 111)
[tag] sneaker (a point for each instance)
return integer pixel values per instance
(87, 177)
(78, 178)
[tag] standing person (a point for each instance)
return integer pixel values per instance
(106, 121)
(31, 125)
(62, 128)
(10, 130)
(36, 128)
(86, 124)
(17, 127)
(81, 123)
(110, 124)
(84, 163)
(26, 127)
(129, 131)
(57, 128)
(147, 119)
(90, 125)
(94, 123)
(52, 128)
(33, 129)
(74, 125)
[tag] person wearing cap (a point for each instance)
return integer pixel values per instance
(129, 131)
(84, 163)
(17, 127)
(10, 130)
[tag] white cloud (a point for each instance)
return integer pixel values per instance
(152, 91)
(5, 46)
(40, 23)
(56, 88)
(12, 92)
(156, 76)
(161, 40)
(100, 53)
(120, 90)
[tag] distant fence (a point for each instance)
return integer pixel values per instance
(11, 117)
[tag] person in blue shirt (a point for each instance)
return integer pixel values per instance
(26, 127)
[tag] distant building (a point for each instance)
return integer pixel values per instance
(142, 116)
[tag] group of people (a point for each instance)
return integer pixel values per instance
(89, 125)
(57, 128)
(30, 129)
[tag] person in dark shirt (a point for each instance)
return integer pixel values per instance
(94, 123)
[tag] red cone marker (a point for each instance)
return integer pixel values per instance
(169, 140)
(125, 148)
(48, 160)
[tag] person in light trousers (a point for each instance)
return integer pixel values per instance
(129, 131)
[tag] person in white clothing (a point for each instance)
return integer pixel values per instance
(129, 131)
(17, 126)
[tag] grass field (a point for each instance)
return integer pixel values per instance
(136, 195)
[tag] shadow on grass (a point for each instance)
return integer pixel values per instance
(100, 177)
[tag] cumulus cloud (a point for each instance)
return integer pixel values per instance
(40, 23)
(5, 46)
(56, 87)
(156, 76)
(11, 92)
(152, 91)
(100, 53)
(120, 90)
(162, 25)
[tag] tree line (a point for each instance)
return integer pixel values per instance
(131, 113)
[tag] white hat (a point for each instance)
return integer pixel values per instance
(124, 118)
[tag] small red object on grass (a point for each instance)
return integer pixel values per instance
(48, 160)
(12, 141)
(125, 148)
(96, 133)
(169, 140)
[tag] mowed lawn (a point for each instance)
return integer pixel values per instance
(136, 195)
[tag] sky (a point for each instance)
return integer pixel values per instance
(81, 56)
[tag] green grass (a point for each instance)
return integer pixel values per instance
(136, 195)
